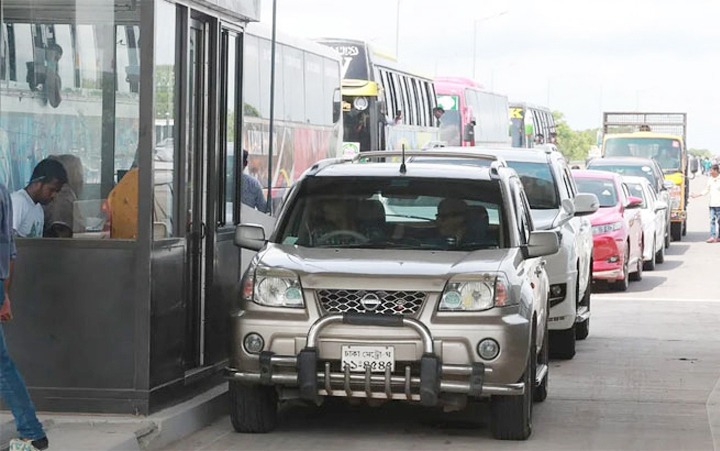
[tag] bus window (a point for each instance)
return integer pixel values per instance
(314, 89)
(251, 77)
(331, 87)
(423, 105)
(87, 57)
(294, 81)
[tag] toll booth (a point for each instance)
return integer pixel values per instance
(140, 101)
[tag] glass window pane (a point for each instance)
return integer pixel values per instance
(231, 118)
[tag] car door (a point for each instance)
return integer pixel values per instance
(582, 231)
(535, 277)
(633, 220)
(658, 216)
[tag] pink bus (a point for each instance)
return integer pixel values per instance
(473, 116)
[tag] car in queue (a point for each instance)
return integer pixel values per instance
(385, 280)
(617, 228)
(653, 211)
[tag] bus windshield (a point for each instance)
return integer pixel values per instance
(666, 151)
(450, 129)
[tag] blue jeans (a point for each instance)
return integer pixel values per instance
(714, 219)
(14, 392)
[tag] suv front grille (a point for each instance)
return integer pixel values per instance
(406, 303)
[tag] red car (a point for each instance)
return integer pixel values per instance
(617, 228)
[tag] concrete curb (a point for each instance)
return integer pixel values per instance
(77, 432)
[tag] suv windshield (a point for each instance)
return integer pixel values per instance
(536, 178)
(395, 213)
(603, 189)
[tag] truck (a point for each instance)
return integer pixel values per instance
(660, 136)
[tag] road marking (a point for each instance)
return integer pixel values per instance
(621, 298)
(713, 413)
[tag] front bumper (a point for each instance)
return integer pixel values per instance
(423, 380)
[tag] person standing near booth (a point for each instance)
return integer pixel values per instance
(12, 386)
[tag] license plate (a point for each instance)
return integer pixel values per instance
(377, 358)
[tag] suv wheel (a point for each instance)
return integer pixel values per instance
(253, 408)
(511, 416)
(543, 358)
(562, 343)
(582, 330)
(650, 264)
(668, 235)
(660, 255)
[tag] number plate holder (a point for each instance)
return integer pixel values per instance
(378, 358)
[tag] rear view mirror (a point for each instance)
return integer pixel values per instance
(694, 165)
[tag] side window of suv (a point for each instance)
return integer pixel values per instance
(522, 211)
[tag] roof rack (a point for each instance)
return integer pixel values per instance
(426, 153)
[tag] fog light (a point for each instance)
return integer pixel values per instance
(253, 343)
(488, 349)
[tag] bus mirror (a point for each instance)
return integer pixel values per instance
(337, 105)
(469, 132)
(694, 166)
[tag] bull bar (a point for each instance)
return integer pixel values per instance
(426, 388)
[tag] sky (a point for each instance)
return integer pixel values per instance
(579, 57)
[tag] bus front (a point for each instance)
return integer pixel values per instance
(669, 151)
(362, 110)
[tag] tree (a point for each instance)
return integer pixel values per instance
(573, 144)
(700, 153)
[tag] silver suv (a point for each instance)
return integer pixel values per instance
(392, 281)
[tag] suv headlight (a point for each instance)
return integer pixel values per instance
(605, 228)
(475, 294)
(272, 288)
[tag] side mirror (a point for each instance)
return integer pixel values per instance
(541, 243)
(250, 236)
(469, 133)
(694, 165)
(337, 105)
(567, 211)
(660, 205)
(668, 185)
(634, 202)
(585, 204)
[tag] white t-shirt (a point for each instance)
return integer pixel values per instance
(28, 217)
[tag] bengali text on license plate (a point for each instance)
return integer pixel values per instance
(378, 358)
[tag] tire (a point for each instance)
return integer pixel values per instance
(668, 233)
(582, 330)
(543, 358)
(253, 408)
(676, 231)
(660, 256)
(650, 264)
(511, 416)
(622, 285)
(562, 343)
(637, 275)
(684, 228)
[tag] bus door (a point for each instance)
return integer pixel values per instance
(196, 191)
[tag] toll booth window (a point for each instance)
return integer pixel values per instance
(69, 93)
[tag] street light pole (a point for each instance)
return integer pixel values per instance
(397, 31)
(475, 31)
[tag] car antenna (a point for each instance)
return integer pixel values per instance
(403, 168)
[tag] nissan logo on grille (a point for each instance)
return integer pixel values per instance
(370, 302)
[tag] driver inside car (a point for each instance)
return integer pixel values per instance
(334, 222)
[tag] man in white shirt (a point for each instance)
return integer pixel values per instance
(713, 188)
(47, 179)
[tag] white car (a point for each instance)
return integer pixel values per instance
(652, 211)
